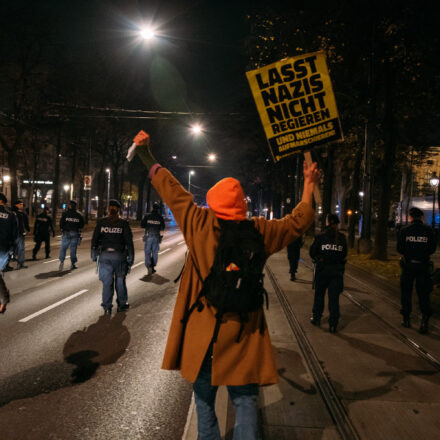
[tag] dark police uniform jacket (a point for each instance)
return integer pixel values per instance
(71, 220)
(8, 228)
(22, 222)
(43, 225)
(153, 223)
(416, 242)
(328, 253)
(113, 235)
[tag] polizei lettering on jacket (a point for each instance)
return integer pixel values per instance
(4, 215)
(153, 222)
(72, 219)
(414, 239)
(331, 247)
(109, 230)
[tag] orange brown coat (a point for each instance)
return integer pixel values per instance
(251, 360)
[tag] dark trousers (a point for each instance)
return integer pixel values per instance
(335, 285)
(293, 254)
(420, 274)
(38, 240)
(112, 273)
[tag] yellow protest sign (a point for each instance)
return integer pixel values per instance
(295, 100)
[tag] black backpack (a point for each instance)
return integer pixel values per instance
(235, 282)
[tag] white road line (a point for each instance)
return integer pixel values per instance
(46, 309)
(137, 264)
(181, 242)
(166, 250)
(51, 261)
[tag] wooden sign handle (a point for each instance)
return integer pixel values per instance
(316, 193)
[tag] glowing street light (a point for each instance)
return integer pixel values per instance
(212, 157)
(66, 187)
(7, 178)
(108, 185)
(434, 181)
(191, 173)
(147, 34)
(196, 128)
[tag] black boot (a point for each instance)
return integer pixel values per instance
(315, 321)
(424, 325)
(332, 328)
(406, 322)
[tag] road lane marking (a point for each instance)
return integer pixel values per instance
(181, 242)
(46, 309)
(137, 264)
(51, 261)
(166, 250)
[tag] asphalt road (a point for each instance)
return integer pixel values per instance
(67, 372)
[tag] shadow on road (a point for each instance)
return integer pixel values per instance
(51, 274)
(156, 279)
(102, 343)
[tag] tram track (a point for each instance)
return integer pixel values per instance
(417, 348)
(328, 393)
(324, 385)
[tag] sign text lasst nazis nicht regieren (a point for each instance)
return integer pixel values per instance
(295, 100)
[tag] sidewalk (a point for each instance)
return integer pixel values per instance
(384, 389)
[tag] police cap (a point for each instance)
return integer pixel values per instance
(72, 203)
(156, 205)
(3, 198)
(416, 213)
(114, 202)
(18, 201)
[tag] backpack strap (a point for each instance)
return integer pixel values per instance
(218, 321)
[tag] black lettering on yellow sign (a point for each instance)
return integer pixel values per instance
(296, 103)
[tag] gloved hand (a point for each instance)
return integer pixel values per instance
(79, 239)
(130, 261)
(94, 255)
(53, 234)
(142, 141)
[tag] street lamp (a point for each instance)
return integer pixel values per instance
(196, 129)
(108, 185)
(434, 181)
(212, 157)
(191, 173)
(147, 33)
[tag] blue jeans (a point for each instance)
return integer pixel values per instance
(244, 398)
(151, 248)
(112, 271)
(69, 238)
(19, 249)
(4, 258)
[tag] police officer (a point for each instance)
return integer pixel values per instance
(153, 224)
(8, 235)
(22, 228)
(293, 255)
(43, 227)
(329, 252)
(71, 224)
(416, 242)
(112, 243)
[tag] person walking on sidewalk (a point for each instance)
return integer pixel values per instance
(43, 227)
(293, 255)
(112, 243)
(328, 252)
(22, 228)
(71, 224)
(153, 224)
(8, 234)
(416, 242)
(235, 353)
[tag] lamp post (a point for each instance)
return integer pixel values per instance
(191, 173)
(434, 181)
(108, 185)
